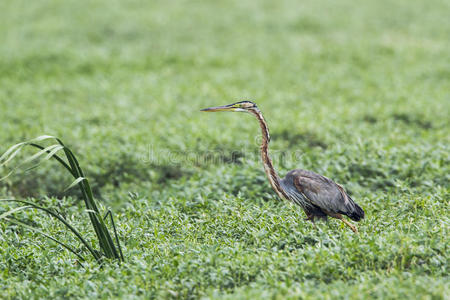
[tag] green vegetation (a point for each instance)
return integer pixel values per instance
(70, 163)
(355, 91)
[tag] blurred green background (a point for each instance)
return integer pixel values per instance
(358, 92)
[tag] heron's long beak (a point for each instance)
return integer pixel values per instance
(219, 108)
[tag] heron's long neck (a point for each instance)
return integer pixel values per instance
(272, 175)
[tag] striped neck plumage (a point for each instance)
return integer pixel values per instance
(272, 175)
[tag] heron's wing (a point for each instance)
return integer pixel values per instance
(323, 192)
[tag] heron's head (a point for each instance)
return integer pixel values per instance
(242, 106)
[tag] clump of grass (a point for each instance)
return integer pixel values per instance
(108, 248)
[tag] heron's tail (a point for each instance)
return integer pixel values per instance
(357, 213)
(353, 210)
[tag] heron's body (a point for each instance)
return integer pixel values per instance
(313, 193)
(319, 196)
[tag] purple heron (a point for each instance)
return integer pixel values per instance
(317, 195)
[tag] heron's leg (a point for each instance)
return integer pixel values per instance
(352, 227)
(309, 217)
(340, 217)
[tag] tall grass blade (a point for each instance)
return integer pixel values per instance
(76, 181)
(70, 163)
(20, 223)
(59, 159)
(10, 212)
(115, 232)
(49, 149)
(5, 156)
(19, 146)
(62, 220)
